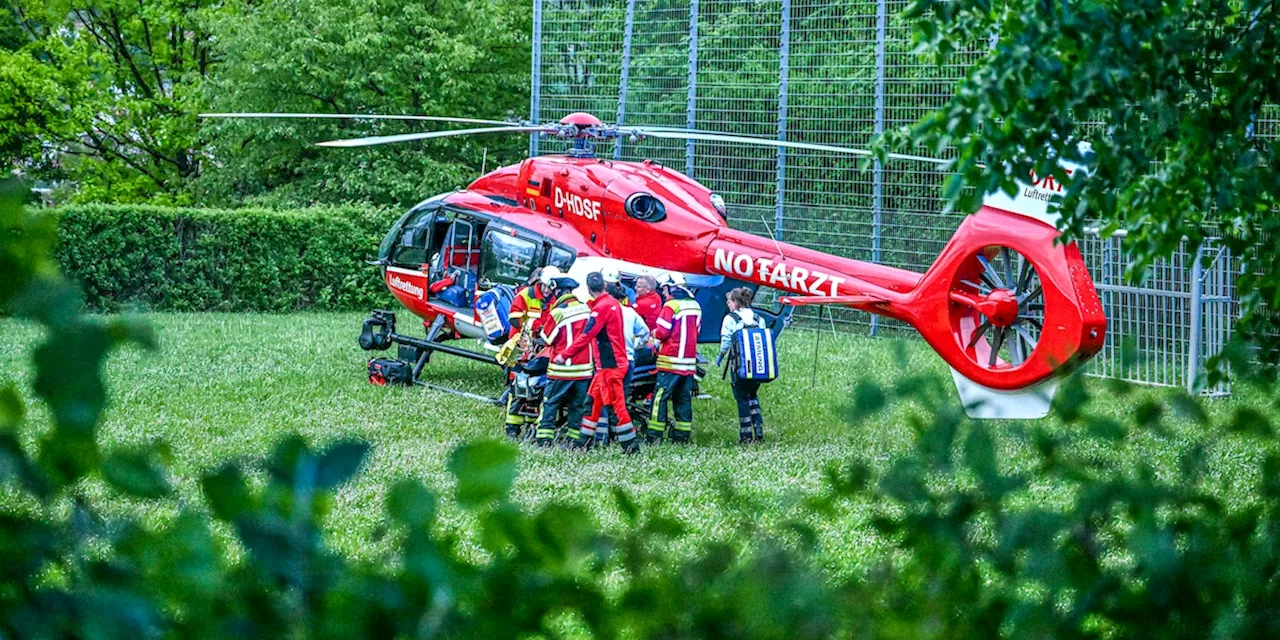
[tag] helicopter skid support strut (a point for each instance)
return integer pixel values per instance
(427, 347)
(419, 350)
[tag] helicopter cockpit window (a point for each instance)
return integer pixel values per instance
(409, 250)
(506, 259)
(561, 258)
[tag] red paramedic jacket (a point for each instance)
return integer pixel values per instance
(648, 306)
(677, 330)
(605, 329)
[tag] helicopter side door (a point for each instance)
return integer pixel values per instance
(454, 266)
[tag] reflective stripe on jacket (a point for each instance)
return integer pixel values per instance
(568, 320)
(677, 330)
(526, 308)
(604, 333)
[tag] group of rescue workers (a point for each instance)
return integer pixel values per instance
(591, 348)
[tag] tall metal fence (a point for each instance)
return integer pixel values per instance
(836, 72)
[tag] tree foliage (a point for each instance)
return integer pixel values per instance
(104, 92)
(1173, 96)
(465, 58)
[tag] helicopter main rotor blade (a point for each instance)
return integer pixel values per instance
(426, 135)
(354, 116)
(709, 136)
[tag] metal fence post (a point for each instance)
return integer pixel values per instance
(1197, 319)
(877, 184)
(625, 75)
(691, 103)
(784, 63)
(535, 97)
(1109, 356)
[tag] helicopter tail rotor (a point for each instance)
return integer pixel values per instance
(1009, 307)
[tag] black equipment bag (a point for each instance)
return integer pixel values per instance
(384, 371)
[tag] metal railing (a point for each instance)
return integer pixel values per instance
(837, 72)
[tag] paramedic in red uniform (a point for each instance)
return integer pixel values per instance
(677, 330)
(568, 378)
(648, 301)
(604, 333)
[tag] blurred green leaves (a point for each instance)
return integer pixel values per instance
(139, 472)
(1079, 545)
(411, 504)
(485, 471)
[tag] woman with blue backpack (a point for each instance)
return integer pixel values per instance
(747, 343)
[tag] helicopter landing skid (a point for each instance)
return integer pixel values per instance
(459, 392)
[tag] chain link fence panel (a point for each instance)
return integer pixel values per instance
(838, 72)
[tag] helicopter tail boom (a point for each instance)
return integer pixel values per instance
(1005, 304)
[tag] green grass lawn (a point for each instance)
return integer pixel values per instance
(228, 386)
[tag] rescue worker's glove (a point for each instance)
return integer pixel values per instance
(558, 359)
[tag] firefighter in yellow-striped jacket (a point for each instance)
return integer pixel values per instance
(568, 380)
(526, 311)
(677, 331)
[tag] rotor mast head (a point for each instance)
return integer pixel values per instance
(581, 127)
(582, 119)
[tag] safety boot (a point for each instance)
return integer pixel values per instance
(682, 432)
(578, 443)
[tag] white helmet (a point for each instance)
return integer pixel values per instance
(672, 279)
(549, 274)
(610, 275)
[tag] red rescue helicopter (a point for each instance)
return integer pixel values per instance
(1005, 305)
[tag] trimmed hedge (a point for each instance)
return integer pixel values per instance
(145, 257)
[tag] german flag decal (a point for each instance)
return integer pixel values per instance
(532, 189)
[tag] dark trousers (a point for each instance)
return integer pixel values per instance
(514, 420)
(678, 391)
(536, 366)
(568, 394)
(750, 420)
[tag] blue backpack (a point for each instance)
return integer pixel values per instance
(492, 308)
(753, 356)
